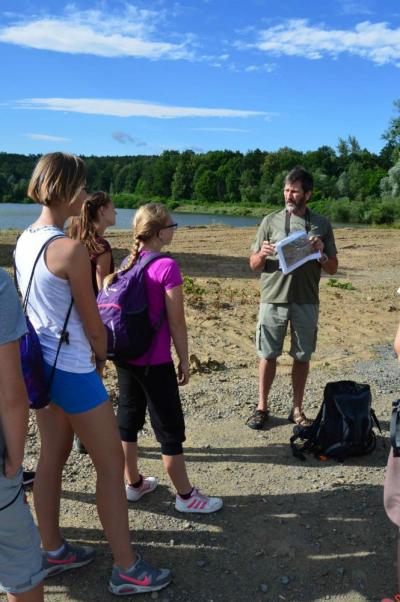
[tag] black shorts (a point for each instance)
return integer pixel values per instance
(155, 387)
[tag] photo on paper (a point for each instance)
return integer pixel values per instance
(295, 250)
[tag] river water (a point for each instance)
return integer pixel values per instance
(19, 216)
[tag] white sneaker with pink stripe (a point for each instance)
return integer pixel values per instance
(148, 485)
(198, 503)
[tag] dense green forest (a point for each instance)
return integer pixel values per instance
(351, 183)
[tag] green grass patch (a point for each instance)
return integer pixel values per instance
(339, 284)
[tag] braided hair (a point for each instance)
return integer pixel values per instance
(148, 221)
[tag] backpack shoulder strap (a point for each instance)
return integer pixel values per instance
(42, 249)
(145, 261)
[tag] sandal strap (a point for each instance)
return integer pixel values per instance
(300, 419)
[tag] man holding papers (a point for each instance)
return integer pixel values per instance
(290, 297)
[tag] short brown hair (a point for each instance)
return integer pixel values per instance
(57, 177)
(300, 174)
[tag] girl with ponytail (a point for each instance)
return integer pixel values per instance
(97, 214)
(150, 381)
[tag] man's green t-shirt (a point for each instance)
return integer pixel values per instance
(302, 285)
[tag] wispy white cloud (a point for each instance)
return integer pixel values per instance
(265, 67)
(236, 130)
(46, 137)
(131, 108)
(349, 7)
(132, 33)
(376, 42)
(124, 138)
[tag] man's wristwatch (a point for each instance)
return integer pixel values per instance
(324, 258)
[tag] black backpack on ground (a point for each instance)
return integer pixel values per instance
(343, 426)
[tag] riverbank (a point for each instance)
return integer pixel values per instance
(290, 530)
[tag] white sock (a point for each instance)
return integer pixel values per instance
(55, 553)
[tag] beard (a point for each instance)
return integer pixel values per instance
(296, 207)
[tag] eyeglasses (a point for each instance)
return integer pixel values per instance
(174, 226)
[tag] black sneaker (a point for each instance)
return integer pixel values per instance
(78, 446)
(28, 476)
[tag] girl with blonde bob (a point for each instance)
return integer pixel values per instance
(150, 381)
(79, 400)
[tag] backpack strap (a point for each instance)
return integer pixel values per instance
(143, 263)
(307, 218)
(64, 337)
(14, 498)
(28, 288)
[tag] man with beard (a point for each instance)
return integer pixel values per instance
(291, 298)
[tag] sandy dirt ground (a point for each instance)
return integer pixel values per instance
(289, 530)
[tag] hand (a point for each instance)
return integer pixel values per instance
(183, 373)
(267, 249)
(316, 243)
(11, 468)
(100, 364)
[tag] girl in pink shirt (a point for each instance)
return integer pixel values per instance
(150, 382)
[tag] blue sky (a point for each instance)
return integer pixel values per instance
(118, 78)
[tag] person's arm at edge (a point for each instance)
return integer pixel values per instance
(103, 268)
(14, 406)
(396, 344)
(177, 326)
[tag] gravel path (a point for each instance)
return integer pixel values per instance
(290, 530)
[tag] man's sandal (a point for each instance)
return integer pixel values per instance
(299, 418)
(258, 419)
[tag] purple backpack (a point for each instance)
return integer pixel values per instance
(123, 308)
(37, 385)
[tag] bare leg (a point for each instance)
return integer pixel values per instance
(176, 469)
(131, 461)
(266, 375)
(97, 429)
(34, 595)
(398, 562)
(56, 441)
(299, 378)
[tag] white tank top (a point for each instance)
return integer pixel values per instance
(48, 303)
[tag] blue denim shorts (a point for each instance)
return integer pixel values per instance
(74, 392)
(20, 555)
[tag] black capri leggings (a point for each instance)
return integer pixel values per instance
(155, 387)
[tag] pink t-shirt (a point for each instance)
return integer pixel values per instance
(160, 275)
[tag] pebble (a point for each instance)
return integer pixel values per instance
(201, 563)
(285, 580)
(264, 588)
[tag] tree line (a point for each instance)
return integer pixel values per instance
(351, 183)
